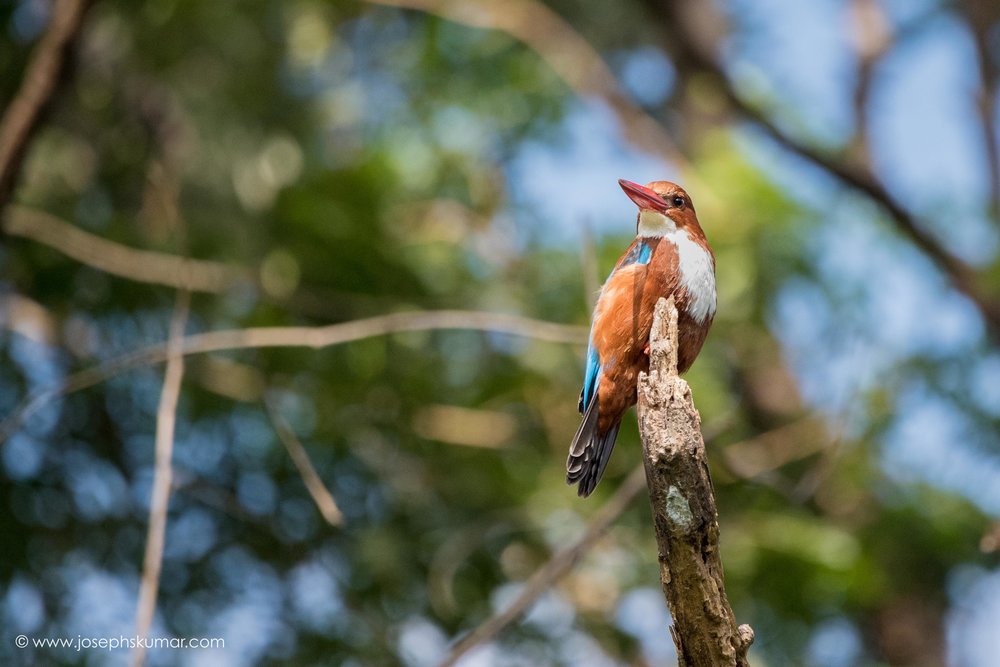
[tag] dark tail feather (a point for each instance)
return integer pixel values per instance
(589, 453)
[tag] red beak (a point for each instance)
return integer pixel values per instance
(642, 196)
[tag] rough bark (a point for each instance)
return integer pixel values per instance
(684, 513)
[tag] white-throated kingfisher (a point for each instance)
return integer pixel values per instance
(670, 256)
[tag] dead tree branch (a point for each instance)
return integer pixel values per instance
(684, 513)
(41, 77)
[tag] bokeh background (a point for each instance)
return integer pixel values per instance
(332, 161)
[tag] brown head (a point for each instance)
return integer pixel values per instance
(664, 207)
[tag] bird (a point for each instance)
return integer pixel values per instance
(670, 256)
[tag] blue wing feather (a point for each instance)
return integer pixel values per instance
(591, 375)
(640, 253)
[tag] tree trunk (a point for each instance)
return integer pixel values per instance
(684, 512)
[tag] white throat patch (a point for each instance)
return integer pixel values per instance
(697, 271)
(654, 223)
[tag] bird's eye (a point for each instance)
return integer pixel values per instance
(677, 201)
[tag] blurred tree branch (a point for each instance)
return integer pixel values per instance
(28, 318)
(872, 38)
(166, 419)
(758, 459)
(314, 337)
(143, 266)
(41, 78)
(694, 54)
(684, 513)
(324, 500)
(983, 17)
(166, 189)
(554, 569)
(572, 58)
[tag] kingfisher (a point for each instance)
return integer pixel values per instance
(670, 256)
